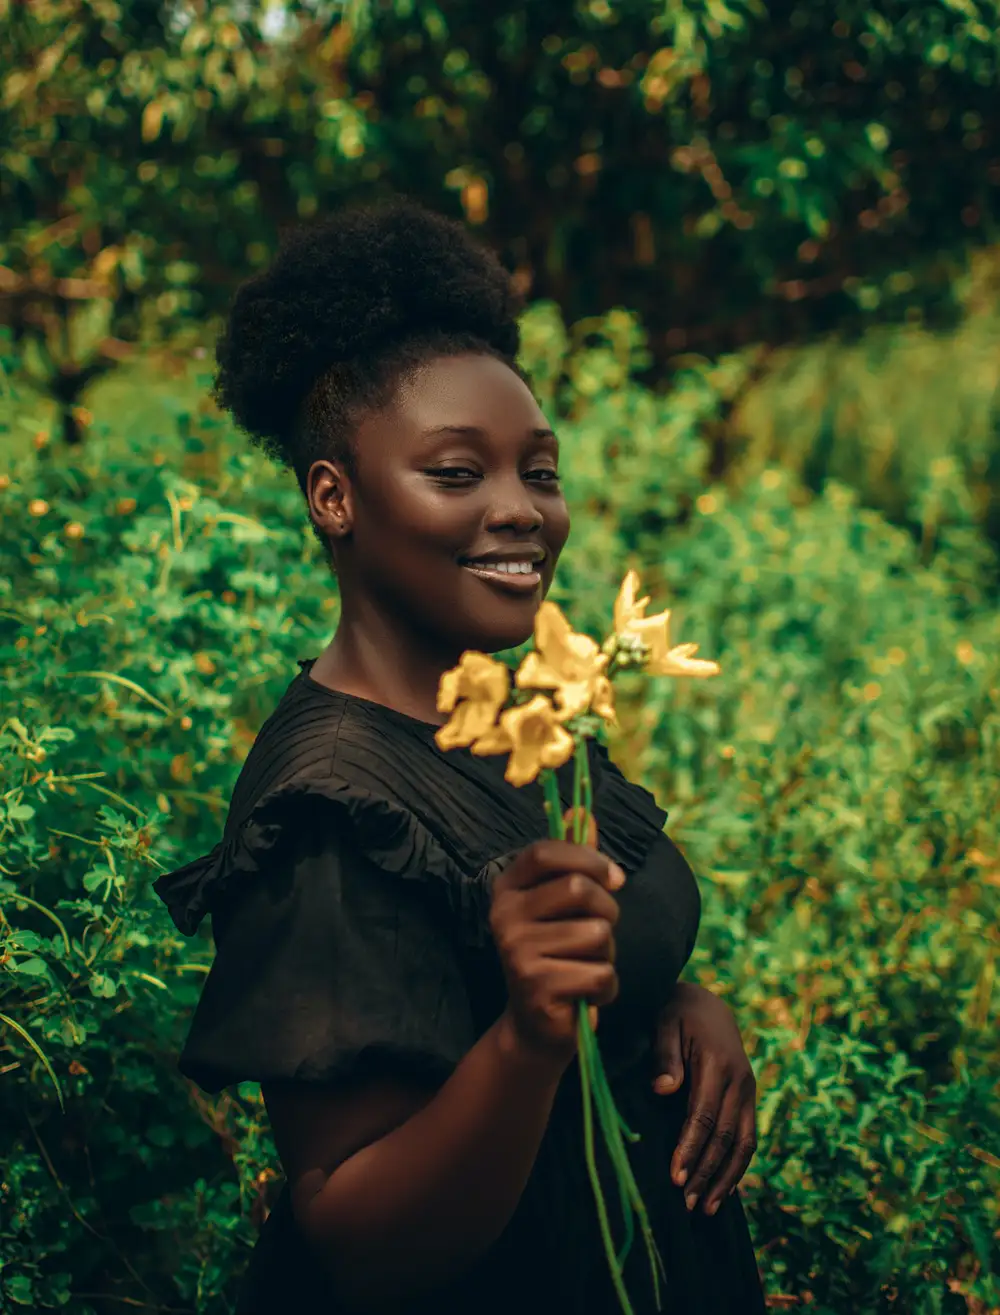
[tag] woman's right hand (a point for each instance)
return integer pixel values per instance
(553, 918)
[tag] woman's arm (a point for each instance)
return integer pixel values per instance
(399, 1189)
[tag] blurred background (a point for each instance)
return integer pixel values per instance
(760, 252)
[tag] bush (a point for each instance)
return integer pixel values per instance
(836, 790)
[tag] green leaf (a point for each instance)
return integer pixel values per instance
(102, 986)
(33, 967)
(19, 1289)
(96, 878)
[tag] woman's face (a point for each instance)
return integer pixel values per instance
(454, 519)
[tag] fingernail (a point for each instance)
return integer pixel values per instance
(617, 877)
(665, 1082)
(691, 1200)
(681, 1178)
(711, 1209)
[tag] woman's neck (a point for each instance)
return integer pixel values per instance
(374, 661)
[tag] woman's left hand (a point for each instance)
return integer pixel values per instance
(698, 1033)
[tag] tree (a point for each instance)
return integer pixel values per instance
(733, 172)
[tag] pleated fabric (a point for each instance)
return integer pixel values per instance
(349, 898)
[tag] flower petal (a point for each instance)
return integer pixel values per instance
(643, 625)
(552, 635)
(536, 738)
(448, 690)
(603, 702)
(559, 749)
(574, 698)
(523, 766)
(535, 673)
(450, 737)
(680, 661)
(491, 679)
(495, 740)
(627, 607)
(477, 676)
(468, 722)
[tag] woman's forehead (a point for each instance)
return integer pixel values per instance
(474, 398)
(463, 391)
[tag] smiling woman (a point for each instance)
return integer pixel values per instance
(447, 522)
(399, 952)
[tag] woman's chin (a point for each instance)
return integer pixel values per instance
(502, 625)
(501, 642)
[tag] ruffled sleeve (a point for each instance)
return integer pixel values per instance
(328, 967)
(381, 829)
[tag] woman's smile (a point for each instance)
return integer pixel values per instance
(515, 571)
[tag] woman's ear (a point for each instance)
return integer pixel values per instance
(330, 496)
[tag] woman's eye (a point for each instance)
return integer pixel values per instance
(454, 474)
(466, 474)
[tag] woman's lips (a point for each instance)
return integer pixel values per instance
(509, 581)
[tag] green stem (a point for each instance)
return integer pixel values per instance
(597, 1090)
(612, 1126)
(553, 804)
(606, 1091)
(579, 819)
(595, 1181)
(608, 1116)
(583, 771)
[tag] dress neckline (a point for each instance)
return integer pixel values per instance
(306, 665)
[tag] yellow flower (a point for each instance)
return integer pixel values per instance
(653, 633)
(533, 736)
(570, 664)
(473, 692)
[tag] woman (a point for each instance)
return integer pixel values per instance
(398, 949)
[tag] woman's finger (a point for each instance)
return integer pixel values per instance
(669, 1056)
(717, 1148)
(574, 896)
(740, 1156)
(708, 1086)
(571, 938)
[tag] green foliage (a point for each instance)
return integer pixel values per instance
(836, 788)
(733, 172)
(906, 416)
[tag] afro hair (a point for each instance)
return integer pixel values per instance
(347, 308)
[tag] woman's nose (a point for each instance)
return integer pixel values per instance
(514, 513)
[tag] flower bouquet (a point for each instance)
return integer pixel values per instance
(560, 698)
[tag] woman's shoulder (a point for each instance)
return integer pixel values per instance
(373, 776)
(318, 736)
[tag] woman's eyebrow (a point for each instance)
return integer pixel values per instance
(475, 431)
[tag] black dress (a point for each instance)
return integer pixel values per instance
(349, 900)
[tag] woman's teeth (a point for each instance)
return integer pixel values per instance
(505, 568)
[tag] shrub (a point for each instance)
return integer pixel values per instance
(836, 789)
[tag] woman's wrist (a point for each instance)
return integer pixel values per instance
(523, 1057)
